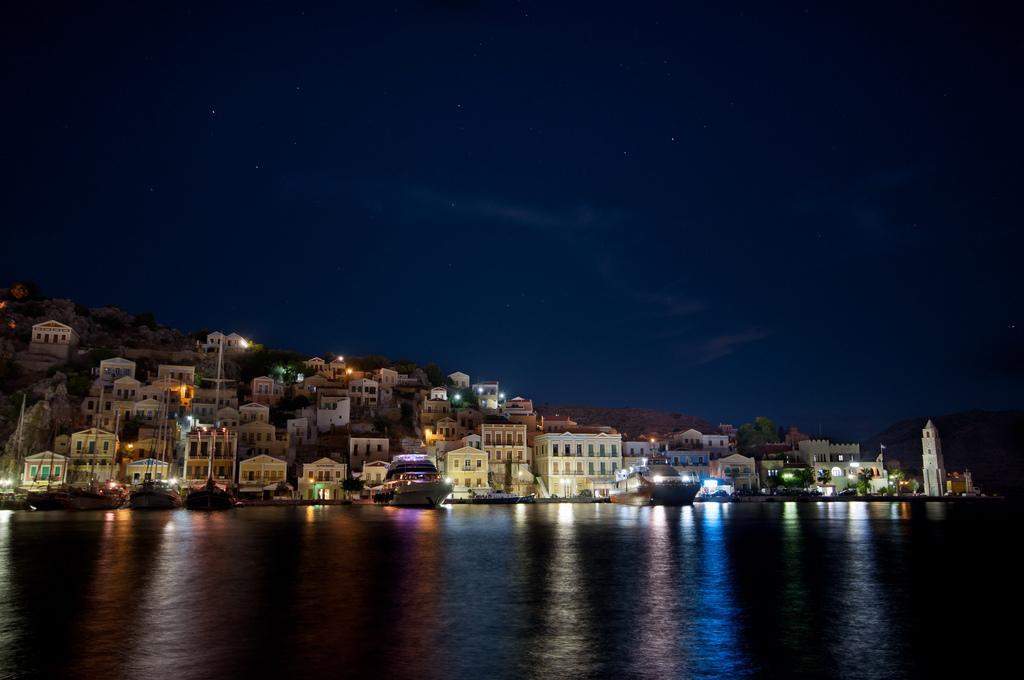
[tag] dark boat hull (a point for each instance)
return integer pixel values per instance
(49, 500)
(95, 501)
(150, 499)
(207, 500)
(672, 495)
(509, 500)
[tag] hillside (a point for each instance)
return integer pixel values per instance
(989, 443)
(632, 422)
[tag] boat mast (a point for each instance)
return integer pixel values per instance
(19, 436)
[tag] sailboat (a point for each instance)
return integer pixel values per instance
(212, 496)
(95, 495)
(156, 494)
(53, 497)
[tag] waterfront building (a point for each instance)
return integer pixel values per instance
(42, 469)
(374, 472)
(694, 463)
(508, 455)
(262, 476)
(933, 466)
(323, 479)
(93, 454)
(210, 452)
(738, 470)
(147, 469)
(841, 462)
(958, 483)
(468, 468)
(570, 462)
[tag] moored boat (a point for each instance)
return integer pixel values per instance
(155, 496)
(413, 481)
(210, 496)
(50, 499)
(501, 498)
(655, 484)
(96, 497)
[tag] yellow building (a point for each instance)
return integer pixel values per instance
(210, 453)
(569, 462)
(467, 468)
(261, 476)
(257, 437)
(93, 455)
(508, 455)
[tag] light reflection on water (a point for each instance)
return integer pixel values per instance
(800, 589)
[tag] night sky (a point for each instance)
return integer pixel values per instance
(803, 213)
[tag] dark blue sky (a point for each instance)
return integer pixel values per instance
(809, 214)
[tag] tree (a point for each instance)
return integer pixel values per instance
(434, 374)
(799, 478)
(350, 485)
(756, 434)
(864, 482)
(824, 476)
(895, 478)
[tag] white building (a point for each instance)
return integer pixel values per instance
(374, 472)
(54, 339)
(182, 374)
(332, 410)
(439, 393)
(146, 470)
(364, 392)
(568, 463)
(114, 368)
(254, 413)
(323, 479)
(459, 379)
(933, 466)
(232, 341)
(843, 463)
(487, 394)
(300, 431)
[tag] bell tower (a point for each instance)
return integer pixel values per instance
(932, 465)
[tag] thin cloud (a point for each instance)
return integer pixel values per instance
(579, 219)
(724, 345)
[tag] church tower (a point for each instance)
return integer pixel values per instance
(933, 467)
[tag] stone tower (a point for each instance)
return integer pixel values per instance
(932, 465)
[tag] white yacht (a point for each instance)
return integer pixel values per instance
(413, 480)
